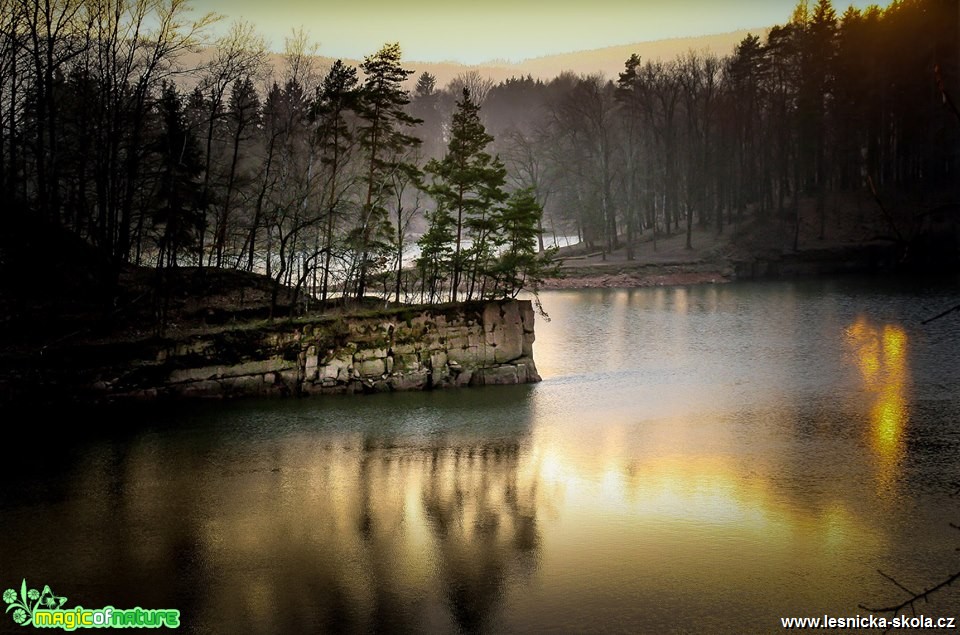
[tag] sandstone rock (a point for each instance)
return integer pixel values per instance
(509, 344)
(438, 348)
(527, 317)
(439, 371)
(372, 368)
(274, 364)
(379, 385)
(527, 347)
(406, 363)
(498, 375)
(199, 389)
(404, 349)
(463, 378)
(336, 368)
(409, 381)
(312, 363)
(464, 356)
(365, 354)
(438, 360)
(196, 347)
(245, 385)
(530, 375)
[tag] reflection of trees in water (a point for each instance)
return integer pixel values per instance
(383, 535)
(479, 528)
(484, 522)
(328, 532)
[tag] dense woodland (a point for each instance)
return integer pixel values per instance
(346, 181)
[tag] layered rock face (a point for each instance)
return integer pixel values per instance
(405, 349)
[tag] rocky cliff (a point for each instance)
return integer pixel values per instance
(403, 349)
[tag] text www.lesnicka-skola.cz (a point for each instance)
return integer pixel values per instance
(869, 621)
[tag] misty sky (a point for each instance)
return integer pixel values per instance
(473, 32)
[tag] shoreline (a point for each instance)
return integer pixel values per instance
(635, 279)
(671, 269)
(403, 349)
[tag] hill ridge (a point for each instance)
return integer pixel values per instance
(608, 60)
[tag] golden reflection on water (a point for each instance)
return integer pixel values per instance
(880, 356)
(632, 521)
(447, 533)
(571, 506)
(656, 483)
(391, 534)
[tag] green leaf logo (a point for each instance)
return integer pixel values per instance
(27, 601)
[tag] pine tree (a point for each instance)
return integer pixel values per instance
(337, 98)
(468, 184)
(384, 141)
(823, 44)
(436, 254)
(176, 217)
(519, 264)
(426, 106)
(243, 116)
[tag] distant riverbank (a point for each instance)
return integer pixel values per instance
(715, 259)
(651, 276)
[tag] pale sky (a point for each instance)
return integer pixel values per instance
(470, 33)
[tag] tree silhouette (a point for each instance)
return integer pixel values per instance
(467, 184)
(384, 140)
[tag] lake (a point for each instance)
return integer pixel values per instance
(697, 459)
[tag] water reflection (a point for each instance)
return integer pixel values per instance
(688, 449)
(387, 533)
(880, 354)
(483, 518)
(370, 526)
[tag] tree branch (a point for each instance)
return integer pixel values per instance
(903, 588)
(937, 317)
(915, 597)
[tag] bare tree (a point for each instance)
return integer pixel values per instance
(407, 203)
(128, 60)
(241, 54)
(335, 112)
(299, 55)
(698, 75)
(51, 45)
(585, 116)
(13, 15)
(478, 85)
(527, 167)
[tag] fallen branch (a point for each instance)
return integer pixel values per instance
(940, 315)
(916, 597)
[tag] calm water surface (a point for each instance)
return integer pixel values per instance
(697, 459)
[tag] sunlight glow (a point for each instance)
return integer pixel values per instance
(473, 33)
(880, 355)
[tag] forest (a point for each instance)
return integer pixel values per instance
(346, 181)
